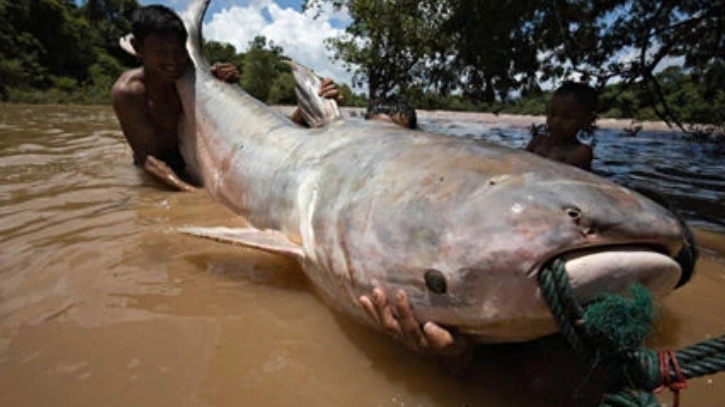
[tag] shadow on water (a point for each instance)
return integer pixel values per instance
(258, 269)
(538, 373)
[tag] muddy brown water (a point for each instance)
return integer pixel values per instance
(103, 304)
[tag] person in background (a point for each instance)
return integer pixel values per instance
(395, 109)
(390, 109)
(570, 117)
(145, 99)
(328, 90)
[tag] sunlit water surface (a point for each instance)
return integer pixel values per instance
(102, 304)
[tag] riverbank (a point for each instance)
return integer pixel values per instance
(488, 120)
(525, 121)
(491, 120)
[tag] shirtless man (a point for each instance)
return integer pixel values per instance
(393, 109)
(145, 99)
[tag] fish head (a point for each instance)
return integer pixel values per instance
(490, 247)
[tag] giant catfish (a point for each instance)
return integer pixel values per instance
(462, 226)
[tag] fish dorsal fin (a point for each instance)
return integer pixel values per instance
(272, 241)
(316, 110)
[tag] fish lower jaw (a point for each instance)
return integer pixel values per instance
(592, 274)
(597, 272)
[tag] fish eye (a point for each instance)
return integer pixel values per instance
(436, 281)
(573, 213)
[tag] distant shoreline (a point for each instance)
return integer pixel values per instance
(525, 121)
(488, 120)
(512, 120)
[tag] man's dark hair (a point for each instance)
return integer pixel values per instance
(157, 19)
(391, 106)
(586, 95)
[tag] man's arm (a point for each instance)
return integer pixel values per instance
(129, 103)
(163, 172)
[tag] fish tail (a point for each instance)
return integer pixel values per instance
(193, 18)
(316, 110)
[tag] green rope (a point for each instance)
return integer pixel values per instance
(557, 292)
(629, 397)
(610, 333)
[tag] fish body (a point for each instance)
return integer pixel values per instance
(462, 226)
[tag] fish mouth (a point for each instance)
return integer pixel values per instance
(596, 272)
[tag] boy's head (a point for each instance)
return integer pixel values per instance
(159, 39)
(572, 108)
(584, 94)
(157, 19)
(396, 109)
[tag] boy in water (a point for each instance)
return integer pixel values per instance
(395, 109)
(145, 99)
(391, 109)
(571, 110)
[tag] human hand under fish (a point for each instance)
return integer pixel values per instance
(399, 321)
(166, 174)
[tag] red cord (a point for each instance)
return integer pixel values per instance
(667, 358)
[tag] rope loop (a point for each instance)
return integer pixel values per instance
(668, 362)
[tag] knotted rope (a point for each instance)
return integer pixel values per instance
(610, 334)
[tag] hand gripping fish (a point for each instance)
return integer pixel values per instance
(462, 226)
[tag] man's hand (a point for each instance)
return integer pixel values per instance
(225, 71)
(328, 90)
(429, 338)
(166, 174)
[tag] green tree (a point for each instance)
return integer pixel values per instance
(282, 91)
(262, 64)
(109, 19)
(222, 52)
(487, 50)
(67, 50)
(390, 42)
(21, 52)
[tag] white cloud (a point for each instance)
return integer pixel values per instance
(300, 35)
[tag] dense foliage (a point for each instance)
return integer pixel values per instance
(494, 51)
(61, 52)
(442, 54)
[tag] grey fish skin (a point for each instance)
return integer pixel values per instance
(462, 226)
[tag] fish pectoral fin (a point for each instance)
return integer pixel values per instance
(272, 241)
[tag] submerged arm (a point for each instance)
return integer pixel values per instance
(129, 103)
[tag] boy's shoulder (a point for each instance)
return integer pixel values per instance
(129, 84)
(537, 139)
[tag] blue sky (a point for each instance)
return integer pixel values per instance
(301, 36)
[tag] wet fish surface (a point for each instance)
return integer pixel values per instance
(462, 226)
